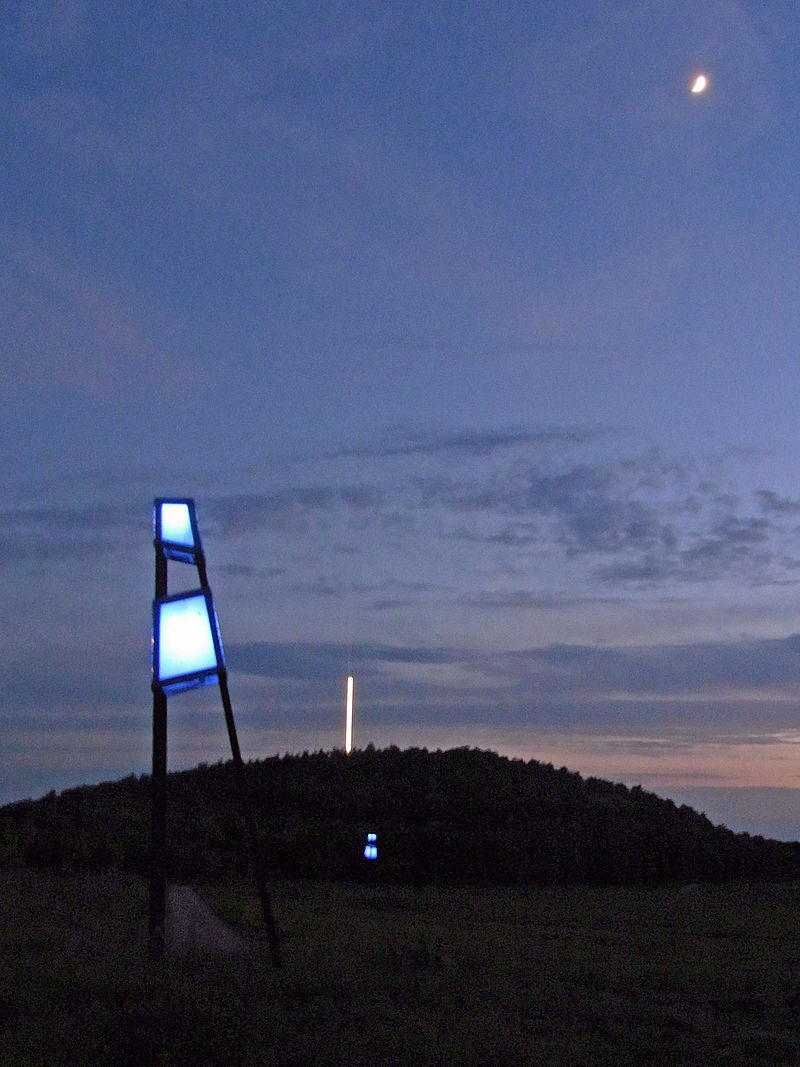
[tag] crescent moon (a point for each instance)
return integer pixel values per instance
(700, 84)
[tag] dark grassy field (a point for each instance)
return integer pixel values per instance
(380, 975)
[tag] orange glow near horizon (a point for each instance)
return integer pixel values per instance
(661, 763)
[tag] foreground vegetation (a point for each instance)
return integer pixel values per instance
(401, 975)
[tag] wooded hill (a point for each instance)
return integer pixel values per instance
(459, 815)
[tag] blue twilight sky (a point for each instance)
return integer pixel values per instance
(472, 332)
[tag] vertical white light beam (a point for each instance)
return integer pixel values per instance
(348, 729)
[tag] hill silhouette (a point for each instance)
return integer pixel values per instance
(463, 814)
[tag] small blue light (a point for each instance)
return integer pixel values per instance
(370, 849)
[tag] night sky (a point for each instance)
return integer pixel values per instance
(472, 332)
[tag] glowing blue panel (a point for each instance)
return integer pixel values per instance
(175, 529)
(371, 849)
(176, 524)
(187, 651)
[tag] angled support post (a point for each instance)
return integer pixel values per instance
(256, 854)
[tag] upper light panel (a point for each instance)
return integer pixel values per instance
(175, 529)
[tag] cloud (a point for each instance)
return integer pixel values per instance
(523, 600)
(326, 661)
(771, 502)
(632, 519)
(400, 441)
(287, 509)
(626, 520)
(67, 533)
(702, 689)
(704, 670)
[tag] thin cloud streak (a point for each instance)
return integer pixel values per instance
(409, 442)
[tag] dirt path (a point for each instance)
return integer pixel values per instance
(193, 927)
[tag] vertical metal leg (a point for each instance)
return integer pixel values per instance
(158, 828)
(158, 785)
(256, 856)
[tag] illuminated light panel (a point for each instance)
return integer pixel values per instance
(348, 728)
(175, 528)
(371, 848)
(176, 524)
(187, 651)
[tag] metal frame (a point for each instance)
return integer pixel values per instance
(164, 551)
